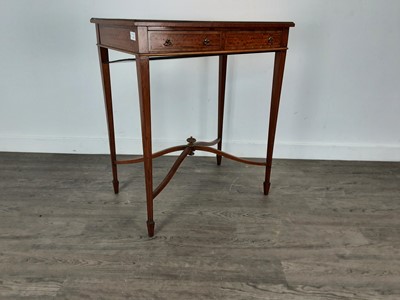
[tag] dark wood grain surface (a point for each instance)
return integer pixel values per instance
(189, 23)
(184, 41)
(328, 230)
(166, 38)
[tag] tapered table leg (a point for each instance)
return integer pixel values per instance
(275, 98)
(105, 75)
(143, 75)
(221, 100)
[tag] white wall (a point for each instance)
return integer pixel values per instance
(340, 96)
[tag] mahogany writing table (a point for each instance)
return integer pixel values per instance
(154, 39)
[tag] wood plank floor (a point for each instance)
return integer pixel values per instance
(328, 230)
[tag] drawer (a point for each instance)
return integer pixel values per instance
(252, 40)
(184, 41)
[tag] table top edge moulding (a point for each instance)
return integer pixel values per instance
(149, 40)
(187, 23)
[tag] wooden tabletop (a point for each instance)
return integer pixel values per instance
(186, 23)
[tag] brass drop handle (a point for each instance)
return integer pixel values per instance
(167, 43)
(206, 42)
(270, 40)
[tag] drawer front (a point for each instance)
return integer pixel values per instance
(175, 41)
(252, 40)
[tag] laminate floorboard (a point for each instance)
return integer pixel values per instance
(328, 230)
